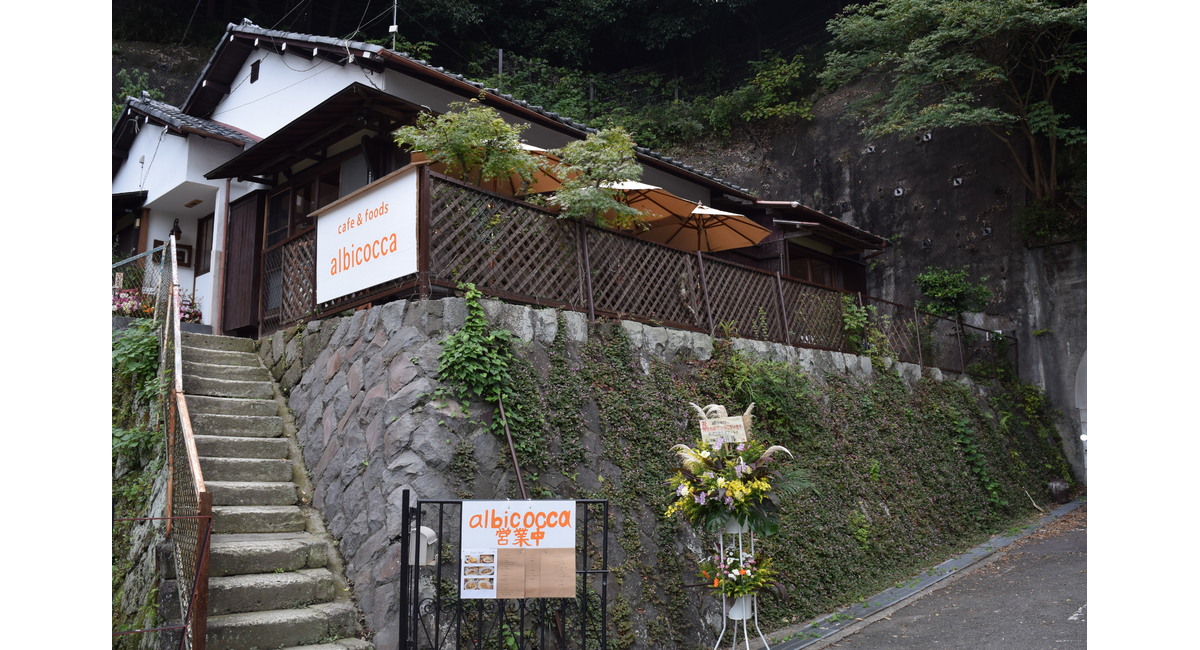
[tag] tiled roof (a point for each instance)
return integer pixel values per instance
(180, 121)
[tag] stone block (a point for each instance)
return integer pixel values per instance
(398, 432)
(410, 394)
(354, 377)
(335, 339)
(635, 333)
(391, 316)
(400, 341)
(576, 324)
(454, 313)
(517, 319)
(545, 326)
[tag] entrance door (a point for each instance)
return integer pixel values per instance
(243, 243)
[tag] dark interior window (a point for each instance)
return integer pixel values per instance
(204, 241)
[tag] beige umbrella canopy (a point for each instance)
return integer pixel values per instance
(654, 202)
(705, 229)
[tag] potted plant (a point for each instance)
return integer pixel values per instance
(738, 576)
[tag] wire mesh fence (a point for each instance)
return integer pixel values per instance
(137, 284)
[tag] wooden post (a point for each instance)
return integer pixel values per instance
(424, 232)
(587, 270)
(787, 335)
(704, 293)
(917, 327)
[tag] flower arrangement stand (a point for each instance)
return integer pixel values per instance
(743, 608)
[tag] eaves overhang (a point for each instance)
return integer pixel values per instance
(350, 110)
(827, 227)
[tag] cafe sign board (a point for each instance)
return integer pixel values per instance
(368, 236)
(517, 549)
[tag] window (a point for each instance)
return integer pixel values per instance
(204, 242)
(288, 211)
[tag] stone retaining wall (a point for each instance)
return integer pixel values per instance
(358, 387)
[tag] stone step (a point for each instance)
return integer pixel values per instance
(220, 371)
(212, 342)
(238, 553)
(228, 388)
(207, 405)
(257, 592)
(340, 644)
(246, 469)
(253, 426)
(281, 628)
(251, 493)
(227, 358)
(221, 446)
(258, 519)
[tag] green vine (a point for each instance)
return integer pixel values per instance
(477, 362)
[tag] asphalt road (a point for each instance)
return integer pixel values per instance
(1030, 596)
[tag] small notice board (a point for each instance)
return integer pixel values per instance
(518, 549)
(730, 429)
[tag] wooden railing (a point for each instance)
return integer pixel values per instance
(189, 504)
(518, 252)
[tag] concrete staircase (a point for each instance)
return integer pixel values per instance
(270, 579)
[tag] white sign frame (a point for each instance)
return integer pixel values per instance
(368, 236)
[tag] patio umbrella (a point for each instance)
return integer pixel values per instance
(654, 202)
(705, 229)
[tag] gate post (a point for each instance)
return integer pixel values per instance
(406, 575)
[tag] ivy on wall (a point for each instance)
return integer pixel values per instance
(905, 475)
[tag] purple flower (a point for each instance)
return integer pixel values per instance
(741, 446)
(702, 498)
(741, 468)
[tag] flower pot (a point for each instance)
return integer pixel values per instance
(741, 609)
(732, 527)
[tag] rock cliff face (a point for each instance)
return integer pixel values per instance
(949, 198)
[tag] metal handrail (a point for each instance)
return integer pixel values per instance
(189, 504)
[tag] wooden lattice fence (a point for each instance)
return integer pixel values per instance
(519, 252)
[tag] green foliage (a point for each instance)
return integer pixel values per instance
(135, 384)
(590, 167)
(134, 444)
(471, 138)
(999, 64)
(132, 85)
(779, 88)
(947, 292)
(475, 359)
(855, 318)
(477, 362)
(1047, 222)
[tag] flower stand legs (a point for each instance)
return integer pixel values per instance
(742, 608)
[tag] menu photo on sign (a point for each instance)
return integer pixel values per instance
(730, 429)
(518, 549)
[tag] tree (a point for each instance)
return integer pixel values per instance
(997, 64)
(947, 292)
(133, 84)
(590, 168)
(471, 138)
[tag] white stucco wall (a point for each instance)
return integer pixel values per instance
(157, 162)
(287, 87)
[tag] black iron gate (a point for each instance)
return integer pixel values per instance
(433, 617)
